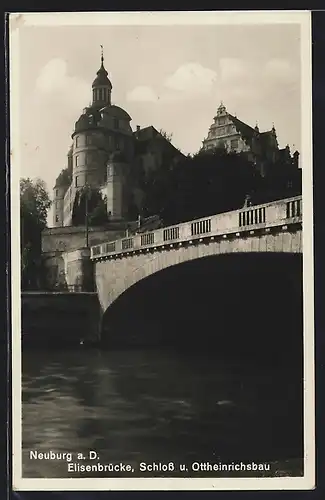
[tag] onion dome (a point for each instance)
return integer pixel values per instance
(102, 78)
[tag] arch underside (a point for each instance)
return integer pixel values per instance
(240, 302)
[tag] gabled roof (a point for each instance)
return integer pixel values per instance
(245, 130)
(145, 138)
(146, 133)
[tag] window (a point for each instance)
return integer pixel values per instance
(56, 192)
(109, 171)
(222, 120)
(89, 140)
(56, 218)
(116, 123)
(221, 131)
(76, 181)
(234, 144)
(77, 161)
(77, 141)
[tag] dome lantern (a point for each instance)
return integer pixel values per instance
(101, 86)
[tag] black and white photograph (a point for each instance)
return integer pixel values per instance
(162, 250)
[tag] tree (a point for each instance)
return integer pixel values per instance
(96, 208)
(206, 183)
(166, 135)
(34, 206)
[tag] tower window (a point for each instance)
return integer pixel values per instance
(89, 140)
(77, 161)
(56, 192)
(77, 141)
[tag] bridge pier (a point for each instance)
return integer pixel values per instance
(79, 269)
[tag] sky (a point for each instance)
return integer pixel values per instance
(170, 76)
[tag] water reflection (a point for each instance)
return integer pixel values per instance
(157, 405)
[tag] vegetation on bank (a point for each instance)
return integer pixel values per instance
(215, 181)
(34, 205)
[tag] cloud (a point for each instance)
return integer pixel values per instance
(142, 94)
(191, 78)
(54, 82)
(280, 69)
(232, 69)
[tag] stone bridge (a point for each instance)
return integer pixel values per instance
(272, 227)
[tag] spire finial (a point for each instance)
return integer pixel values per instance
(102, 54)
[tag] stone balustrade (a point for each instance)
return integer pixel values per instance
(277, 213)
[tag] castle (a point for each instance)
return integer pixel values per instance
(109, 162)
(107, 156)
(260, 147)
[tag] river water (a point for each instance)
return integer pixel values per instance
(156, 406)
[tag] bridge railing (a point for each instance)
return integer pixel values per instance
(271, 214)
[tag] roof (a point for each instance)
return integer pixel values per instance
(116, 111)
(149, 140)
(102, 78)
(245, 130)
(87, 120)
(146, 133)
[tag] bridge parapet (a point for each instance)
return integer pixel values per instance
(273, 214)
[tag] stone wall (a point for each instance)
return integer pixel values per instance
(60, 318)
(79, 269)
(59, 242)
(64, 239)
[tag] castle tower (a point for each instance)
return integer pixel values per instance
(116, 193)
(58, 202)
(85, 155)
(101, 87)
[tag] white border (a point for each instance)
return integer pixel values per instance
(164, 18)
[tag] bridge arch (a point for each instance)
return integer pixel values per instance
(116, 274)
(252, 298)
